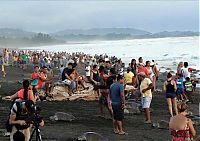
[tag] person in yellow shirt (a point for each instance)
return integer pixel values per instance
(129, 77)
(146, 88)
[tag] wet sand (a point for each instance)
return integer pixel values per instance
(86, 114)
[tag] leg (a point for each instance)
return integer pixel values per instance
(26, 134)
(147, 114)
(120, 127)
(169, 102)
(174, 102)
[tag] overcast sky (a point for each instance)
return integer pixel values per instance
(51, 16)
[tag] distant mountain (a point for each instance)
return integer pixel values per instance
(175, 34)
(102, 31)
(15, 33)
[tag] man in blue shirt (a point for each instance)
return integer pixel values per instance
(117, 103)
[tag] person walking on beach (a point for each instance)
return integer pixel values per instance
(180, 88)
(146, 95)
(117, 103)
(180, 126)
(170, 94)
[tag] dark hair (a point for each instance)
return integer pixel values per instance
(187, 79)
(70, 64)
(169, 75)
(185, 64)
(101, 69)
(182, 107)
(18, 136)
(112, 71)
(139, 58)
(36, 66)
(26, 84)
(119, 77)
(147, 63)
(94, 66)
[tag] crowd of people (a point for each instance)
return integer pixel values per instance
(109, 78)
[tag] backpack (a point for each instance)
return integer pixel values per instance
(8, 125)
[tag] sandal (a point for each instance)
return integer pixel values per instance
(122, 133)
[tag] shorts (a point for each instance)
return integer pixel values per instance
(118, 112)
(68, 83)
(180, 91)
(170, 95)
(24, 62)
(146, 102)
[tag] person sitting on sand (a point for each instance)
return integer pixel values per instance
(44, 82)
(170, 93)
(117, 103)
(180, 126)
(146, 87)
(66, 79)
(25, 93)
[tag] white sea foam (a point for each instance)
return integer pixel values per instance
(166, 51)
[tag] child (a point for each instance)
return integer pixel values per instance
(189, 89)
(180, 88)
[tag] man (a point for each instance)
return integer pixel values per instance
(117, 103)
(20, 112)
(185, 71)
(67, 79)
(146, 95)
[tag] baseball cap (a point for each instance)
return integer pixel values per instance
(30, 105)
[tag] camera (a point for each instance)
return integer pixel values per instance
(34, 116)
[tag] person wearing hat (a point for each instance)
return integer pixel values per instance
(146, 87)
(21, 111)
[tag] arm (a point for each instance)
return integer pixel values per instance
(13, 121)
(67, 76)
(32, 96)
(122, 96)
(191, 128)
(12, 97)
(164, 86)
(148, 88)
(175, 87)
(91, 77)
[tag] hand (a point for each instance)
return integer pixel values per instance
(144, 90)
(22, 122)
(123, 106)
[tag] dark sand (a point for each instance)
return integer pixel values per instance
(87, 116)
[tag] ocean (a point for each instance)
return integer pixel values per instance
(167, 52)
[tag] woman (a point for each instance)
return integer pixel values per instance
(25, 93)
(170, 90)
(179, 68)
(180, 126)
(95, 78)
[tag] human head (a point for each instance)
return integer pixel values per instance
(169, 75)
(133, 61)
(30, 106)
(187, 79)
(18, 136)
(36, 68)
(141, 76)
(112, 71)
(95, 67)
(182, 107)
(120, 79)
(128, 69)
(140, 60)
(180, 65)
(148, 63)
(185, 64)
(26, 84)
(70, 65)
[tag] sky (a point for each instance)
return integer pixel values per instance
(52, 16)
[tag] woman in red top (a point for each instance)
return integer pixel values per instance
(25, 93)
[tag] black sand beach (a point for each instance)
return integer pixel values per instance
(86, 114)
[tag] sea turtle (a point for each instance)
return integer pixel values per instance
(91, 136)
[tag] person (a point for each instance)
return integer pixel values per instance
(117, 103)
(181, 127)
(170, 93)
(95, 78)
(156, 73)
(185, 71)
(24, 60)
(25, 93)
(2, 64)
(129, 77)
(18, 136)
(189, 89)
(87, 70)
(146, 95)
(66, 79)
(104, 92)
(61, 71)
(19, 113)
(179, 68)
(180, 88)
